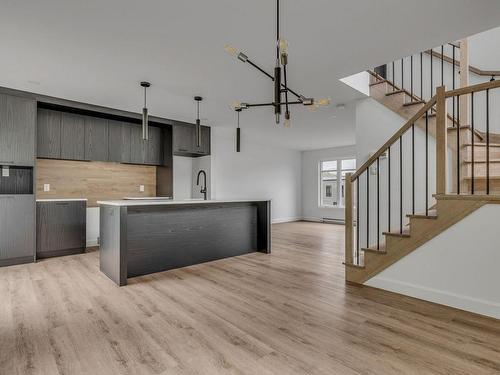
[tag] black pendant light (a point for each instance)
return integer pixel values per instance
(145, 128)
(279, 78)
(238, 132)
(198, 123)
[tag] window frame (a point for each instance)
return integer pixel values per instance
(339, 180)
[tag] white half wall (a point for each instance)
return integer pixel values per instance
(311, 209)
(257, 172)
(457, 268)
(183, 177)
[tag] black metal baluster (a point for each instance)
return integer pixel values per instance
(432, 70)
(472, 127)
(368, 207)
(357, 221)
(453, 81)
(378, 203)
(402, 74)
(442, 65)
(488, 141)
(411, 78)
(426, 163)
(393, 81)
(389, 189)
(421, 78)
(400, 184)
(458, 145)
(413, 168)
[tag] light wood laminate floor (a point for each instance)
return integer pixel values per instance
(286, 313)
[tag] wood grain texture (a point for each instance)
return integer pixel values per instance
(285, 313)
(17, 130)
(48, 134)
(60, 228)
(93, 180)
(72, 136)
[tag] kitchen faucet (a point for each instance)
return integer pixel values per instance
(204, 186)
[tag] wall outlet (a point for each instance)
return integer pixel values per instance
(46, 187)
(141, 188)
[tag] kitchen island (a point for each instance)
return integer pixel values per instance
(146, 236)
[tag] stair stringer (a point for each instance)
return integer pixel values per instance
(422, 229)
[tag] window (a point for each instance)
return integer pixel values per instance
(331, 173)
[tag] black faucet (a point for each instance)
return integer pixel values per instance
(204, 187)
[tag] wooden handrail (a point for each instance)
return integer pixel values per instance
(395, 137)
(472, 69)
(473, 88)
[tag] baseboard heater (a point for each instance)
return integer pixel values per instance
(329, 220)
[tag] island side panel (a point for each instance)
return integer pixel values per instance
(167, 237)
(264, 226)
(113, 243)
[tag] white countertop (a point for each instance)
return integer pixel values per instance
(173, 202)
(148, 198)
(62, 200)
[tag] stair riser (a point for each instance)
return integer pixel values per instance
(480, 153)
(480, 169)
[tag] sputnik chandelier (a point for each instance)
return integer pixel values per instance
(280, 86)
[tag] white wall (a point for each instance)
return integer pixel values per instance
(202, 163)
(257, 172)
(455, 268)
(183, 177)
(310, 182)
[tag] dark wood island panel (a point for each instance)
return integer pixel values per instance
(145, 238)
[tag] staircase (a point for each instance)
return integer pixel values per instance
(462, 170)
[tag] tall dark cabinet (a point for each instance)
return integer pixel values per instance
(17, 159)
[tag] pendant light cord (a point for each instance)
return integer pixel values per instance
(238, 119)
(277, 29)
(145, 88)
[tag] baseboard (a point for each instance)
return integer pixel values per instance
(321, 220)
(286, 220)
(478, 306)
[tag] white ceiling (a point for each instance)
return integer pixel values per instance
(97, 51)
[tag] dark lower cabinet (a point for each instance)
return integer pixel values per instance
(60, 228)
(17, 229)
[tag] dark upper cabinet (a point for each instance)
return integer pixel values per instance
(48, 134)
(204, 147)
(72, 136)
(146, 152)
(153, 154)
(137, 149)
(96, 139)
(119, 141)
(184, 140)
(17, 130)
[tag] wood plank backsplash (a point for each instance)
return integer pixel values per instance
(93, 180)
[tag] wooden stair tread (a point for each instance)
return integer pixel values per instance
(353, 265)
(431, 214)
(378, 82)
(380, 251)
(481, 144)
(415, 102)
(405, 234)
(481, 161)
(395, 92)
